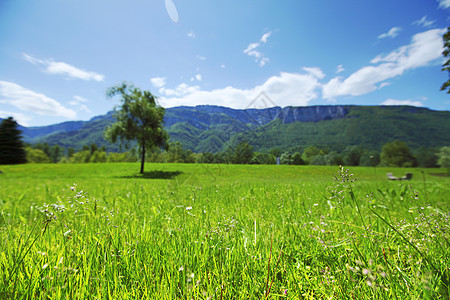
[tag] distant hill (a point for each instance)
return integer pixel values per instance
(214, 128)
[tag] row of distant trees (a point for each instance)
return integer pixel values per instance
(394, 154)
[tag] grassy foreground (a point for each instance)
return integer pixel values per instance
(99, 231)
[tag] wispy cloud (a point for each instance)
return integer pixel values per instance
(285, 89)
(424, 22)
(62, 68)
(197, 77)
(80, 99)
(158, 82)
(392, 33)
(260, 58)
(28, 100)
(181, 90)
(402, 102)
(444, 3)
(265, 37)
(80, 103)
(425, 48)
(340, 69)
(191, 34)
(316, 72)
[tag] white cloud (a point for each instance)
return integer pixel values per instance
(199, 57)
(424, 22)
(19, 117)
(83, 107)
(62, 68)
(28, 100)
(402, 102)
(383, 84)
(392, 33)
(265, 37)
(260, 58)
(251, 50)
(340, 69)
(32, 60)
(80, 99)
(158, 82)
(425, 48)
(197, 77)
(263, 61)
(316, 72)
(181, 90)
(444, 3)
(296, 89)
(191, 34)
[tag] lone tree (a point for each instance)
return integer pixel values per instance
(11, 145)
(139, 118)
(446, 65)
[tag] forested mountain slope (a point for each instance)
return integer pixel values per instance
(214, 128)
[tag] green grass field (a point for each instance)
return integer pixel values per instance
(190, 231)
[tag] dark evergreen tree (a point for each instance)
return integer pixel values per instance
(11, 146)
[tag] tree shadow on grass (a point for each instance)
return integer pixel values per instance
(156, 174)
(440, 174)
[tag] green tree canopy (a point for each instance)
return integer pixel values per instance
(139, 118)
(397, 154)
(444, 158)
(98, 157)
(263, 159)
(352, 155)
(177, 154)
(310, 152)
(242, 154)
(286, 158)
(297, 159)
(11, 146)
(36, 156)
(82, 156)
(446, 65)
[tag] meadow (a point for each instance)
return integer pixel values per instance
(198, 231)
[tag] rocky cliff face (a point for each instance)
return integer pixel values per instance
(312, 113)
(206, 115)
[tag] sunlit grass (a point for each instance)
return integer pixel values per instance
(221, 232)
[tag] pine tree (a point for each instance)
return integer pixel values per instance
(11, 146)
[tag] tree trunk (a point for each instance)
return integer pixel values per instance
(143, 159)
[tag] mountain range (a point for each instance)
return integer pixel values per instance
(212, 129)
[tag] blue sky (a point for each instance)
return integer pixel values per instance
(58, 58)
